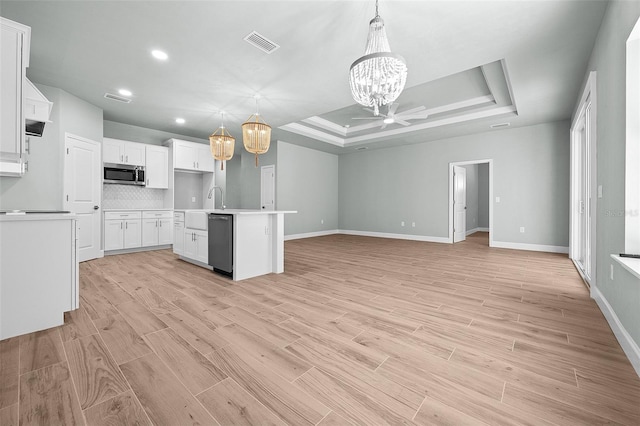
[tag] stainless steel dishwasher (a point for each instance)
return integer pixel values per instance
(221, 243)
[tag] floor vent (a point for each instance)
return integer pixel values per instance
(261, 42)
(117, 98)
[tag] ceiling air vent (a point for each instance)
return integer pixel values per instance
(117, 98)
(362, 148)
(497, 126)
(261, 42)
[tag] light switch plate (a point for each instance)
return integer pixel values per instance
(497, 199)
(193, 199)
(599, 191)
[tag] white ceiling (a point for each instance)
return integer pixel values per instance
(532, 56)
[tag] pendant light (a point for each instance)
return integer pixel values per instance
(378, 77)
(256, 134)
(222, 144)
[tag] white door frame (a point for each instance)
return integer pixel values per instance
(466, 163)
(66, 182)
(588, 97)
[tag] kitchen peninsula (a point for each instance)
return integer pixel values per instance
(256, 241)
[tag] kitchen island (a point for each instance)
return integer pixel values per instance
(257, 240)
(38, 270)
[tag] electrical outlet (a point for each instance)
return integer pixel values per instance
(611, 271)
(402, 223)
(413, 224)
(193, 199)
(599, 191)
(522, 229)
(497, 199)
(321, 221)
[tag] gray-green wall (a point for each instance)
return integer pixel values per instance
(132, 133)
(42, 186)
(380, 188)
(307, 181)
(608, 60)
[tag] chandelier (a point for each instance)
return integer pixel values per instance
(222, 144)
(256, 134)
(378, 77)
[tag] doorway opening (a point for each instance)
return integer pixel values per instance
(582, 241)
(470, 206)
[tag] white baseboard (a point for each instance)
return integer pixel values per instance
(530, 247)
(629, 347)
(396, 236)
(474, 230)
(311, 234)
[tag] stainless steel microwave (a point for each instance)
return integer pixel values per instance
(123, 174)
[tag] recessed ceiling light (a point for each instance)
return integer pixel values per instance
(180, 120)
(125, 92)
(159, 54)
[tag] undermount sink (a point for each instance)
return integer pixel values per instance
(196, 219)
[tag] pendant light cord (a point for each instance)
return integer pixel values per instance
(377, 14)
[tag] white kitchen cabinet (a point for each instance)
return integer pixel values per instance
(157, 228)
(39, 273)
(123, 152)
(122, 230)
(196, 245)
(157, 166)
(14, 60)
(178, 237)
(191, 156)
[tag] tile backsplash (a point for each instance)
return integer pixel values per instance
(131, 197)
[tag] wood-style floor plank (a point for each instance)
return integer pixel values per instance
(9, 371)
(197, 333)
(140, 318)
(9, 415)
(123, 409)
(165, 400)
(123, 341)
(357, 330)
(288, 401)
(77, 323)
(47, 397)
(278, 335)
(40, 349)
(195, 371)
(232, 405)
(347, 401)
(270, 356)
(94, 371)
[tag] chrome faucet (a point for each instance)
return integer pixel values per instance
(221, 196)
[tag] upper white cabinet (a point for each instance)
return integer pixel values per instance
(14, 60)
(123, 152)
(191, 156)
(157, 166)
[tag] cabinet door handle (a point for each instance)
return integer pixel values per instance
(120, 225)
(126, 225)
(127, 158)
(197, 165)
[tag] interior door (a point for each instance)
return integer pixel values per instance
(268, 187)
(459, 203)
(82, 182)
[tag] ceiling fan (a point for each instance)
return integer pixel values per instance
(419, 113)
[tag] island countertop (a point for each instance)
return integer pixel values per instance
(237, 211)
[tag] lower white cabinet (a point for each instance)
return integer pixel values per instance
(196, 245)
(157, 228)
(178, 237)
(122, 230)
